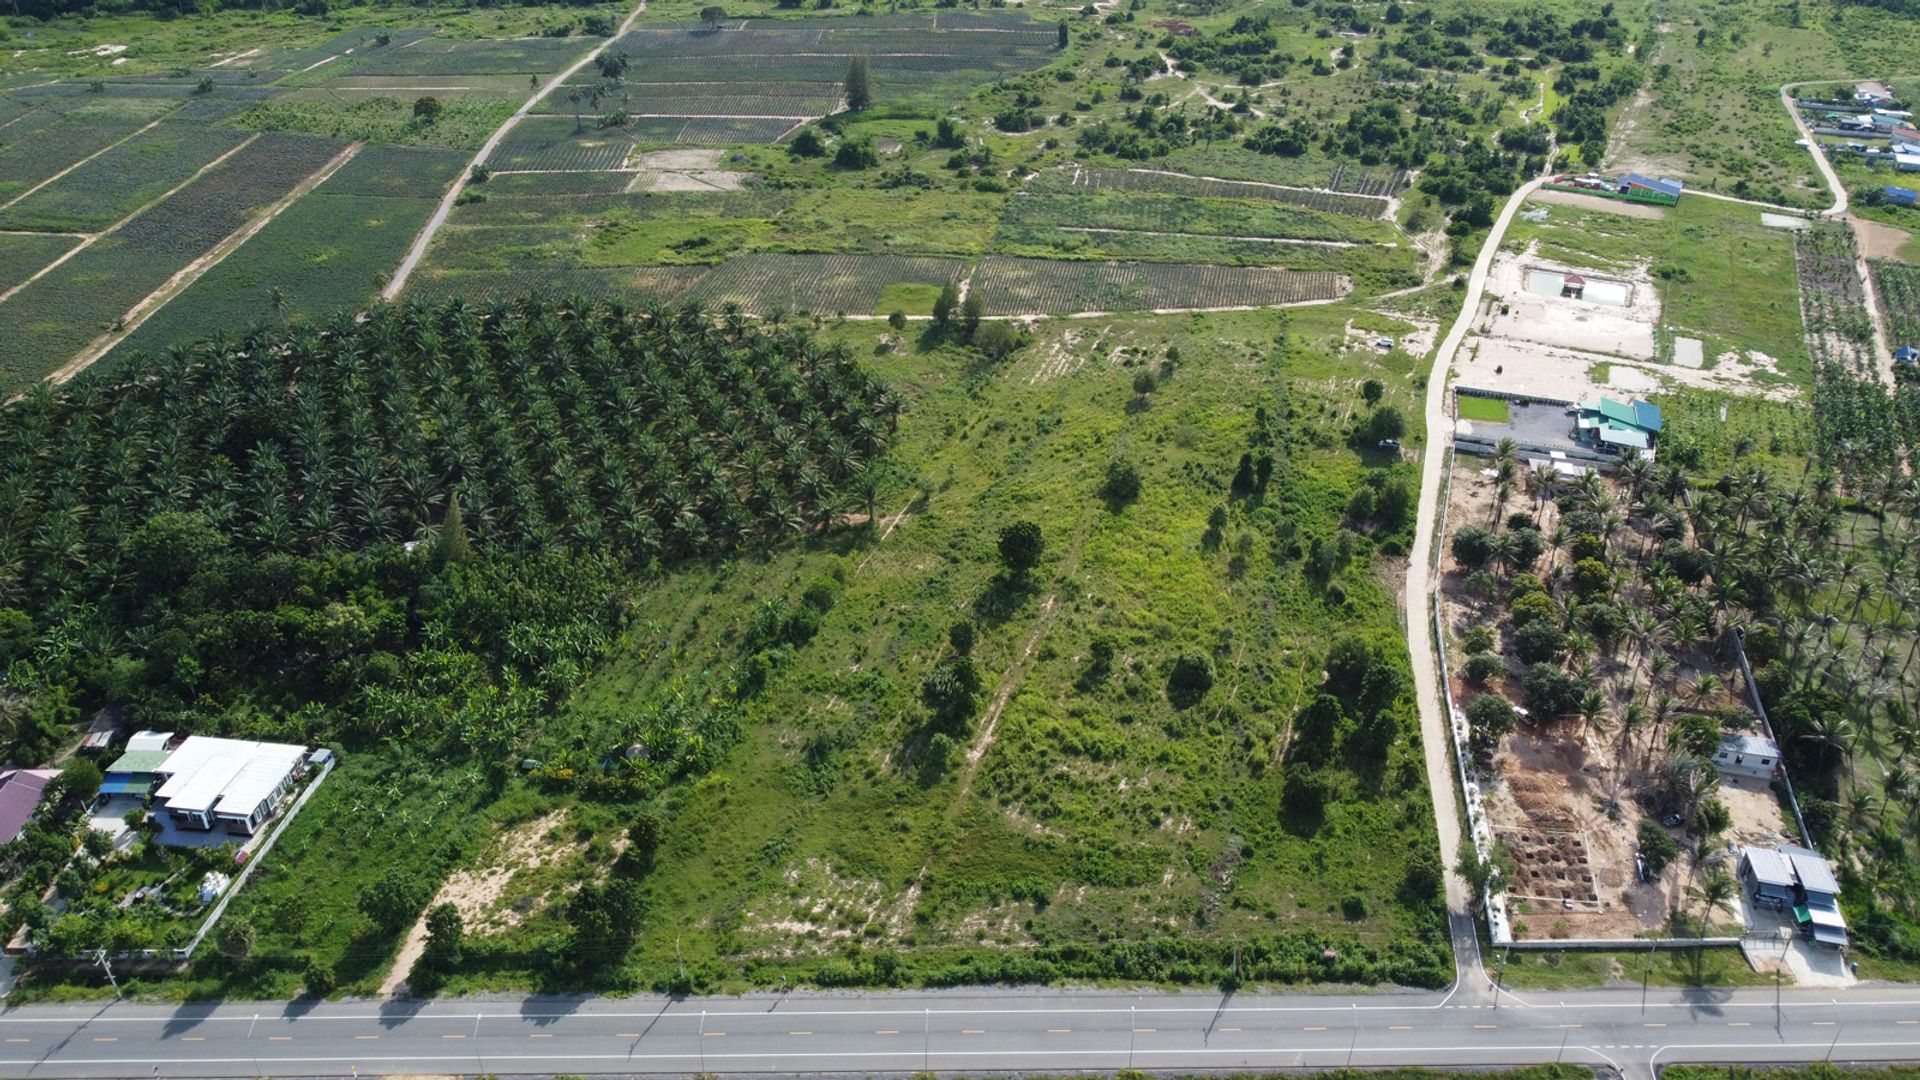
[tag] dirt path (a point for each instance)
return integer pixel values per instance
(92, 238)
(439, 218)
(191, 273)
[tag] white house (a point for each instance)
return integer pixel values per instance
(1747, 755)
(207, 781)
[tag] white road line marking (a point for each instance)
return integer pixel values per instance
(888, 1031)
(799, 1032)
(366, 1036)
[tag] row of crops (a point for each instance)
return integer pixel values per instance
(121, 180)
(1833, 303)
(1899, 288)
(329, 251)
(1381, 180)
(50, 319)
(70, 134)
(1161, 182)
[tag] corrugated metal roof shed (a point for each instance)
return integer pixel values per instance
(1769, 867)
(1816, 876)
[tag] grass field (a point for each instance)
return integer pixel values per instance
(1485, 410)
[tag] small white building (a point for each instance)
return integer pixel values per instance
(1907, 162)
(1747, 755)
(209, 781)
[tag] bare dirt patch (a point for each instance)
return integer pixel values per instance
(1517, 312)
(1877, 239)
(700, 180)
(1597, 202)
(678, 159)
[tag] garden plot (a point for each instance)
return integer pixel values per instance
(34, 156)
(121, 179)
(438, 56)
(1161, 182)
(1611, 759)
(1014, 286)
(685, 171)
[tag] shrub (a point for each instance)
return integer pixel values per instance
(1478, 638)
(1490, 718)
(1189, 679)
(1473, 546)
(807, 144)
(1550, 692)
(996, 340)
(1533, 607)
(1021, 546)
(1657, 845)
(1483, 668)
(855, 154)
(1592, 578)
(1122, 485)
(1538, 641)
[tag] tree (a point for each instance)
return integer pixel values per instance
(1189, 679)
(972, 309)
(441, 954)
(1348, 662)
(949, 692)
(944, 305)
(855, 154)
(1482, 668)
(276, 300)
(1550, 692)
(450, 544)
(1490, 718)
(1021, 546)
(1316, 728)
(427, 109)
(946, 134)
(1122, 484)
(1472, 546)
(807, 144)
(392, 900)
(1484, 874)
(1386, 423)
(858, 92)
(711, 15)
(318, 976)
(1061, 41)
(1144, 382)
(897, 320)
(1657, 845)
(996, 340)
(605, 919)
(1538, 641)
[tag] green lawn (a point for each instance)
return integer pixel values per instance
(1485, 410)
(1569, 969)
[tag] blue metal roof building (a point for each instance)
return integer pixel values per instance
(1900, 196)
(1670, 188)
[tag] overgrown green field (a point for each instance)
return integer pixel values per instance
(1083, 804)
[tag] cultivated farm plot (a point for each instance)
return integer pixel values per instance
(1833, 303)
(557, 144)
(1899, 289)
(23, 254)
(852, 284)
(438, 56)
(122, 179)
(52, 318)
(1015, 286)
(1159, 182)
(1367, 179)
(27, 159)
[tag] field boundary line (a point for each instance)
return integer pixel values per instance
(427, 232)
(193, 271)
(63, 172)
(136, 212)
(1223, 236)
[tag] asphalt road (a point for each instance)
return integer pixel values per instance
(970, 1031)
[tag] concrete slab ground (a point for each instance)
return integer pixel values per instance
(1689, 352)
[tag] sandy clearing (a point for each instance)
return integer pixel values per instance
(1784, 221)
(473, 891)
(1517, 313)
(682, 159)
(1689, 352)
(237, 58)
(1522, 367)
(190, 273)
(1595, 202)
(1879, 240)
(100, 50)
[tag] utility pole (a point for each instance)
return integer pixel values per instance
(926, 1040)
(1836, 1041)
(106, 965)
(1132, 1028)
(1647, 979)
(1355, 1041)
(703, 1041)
